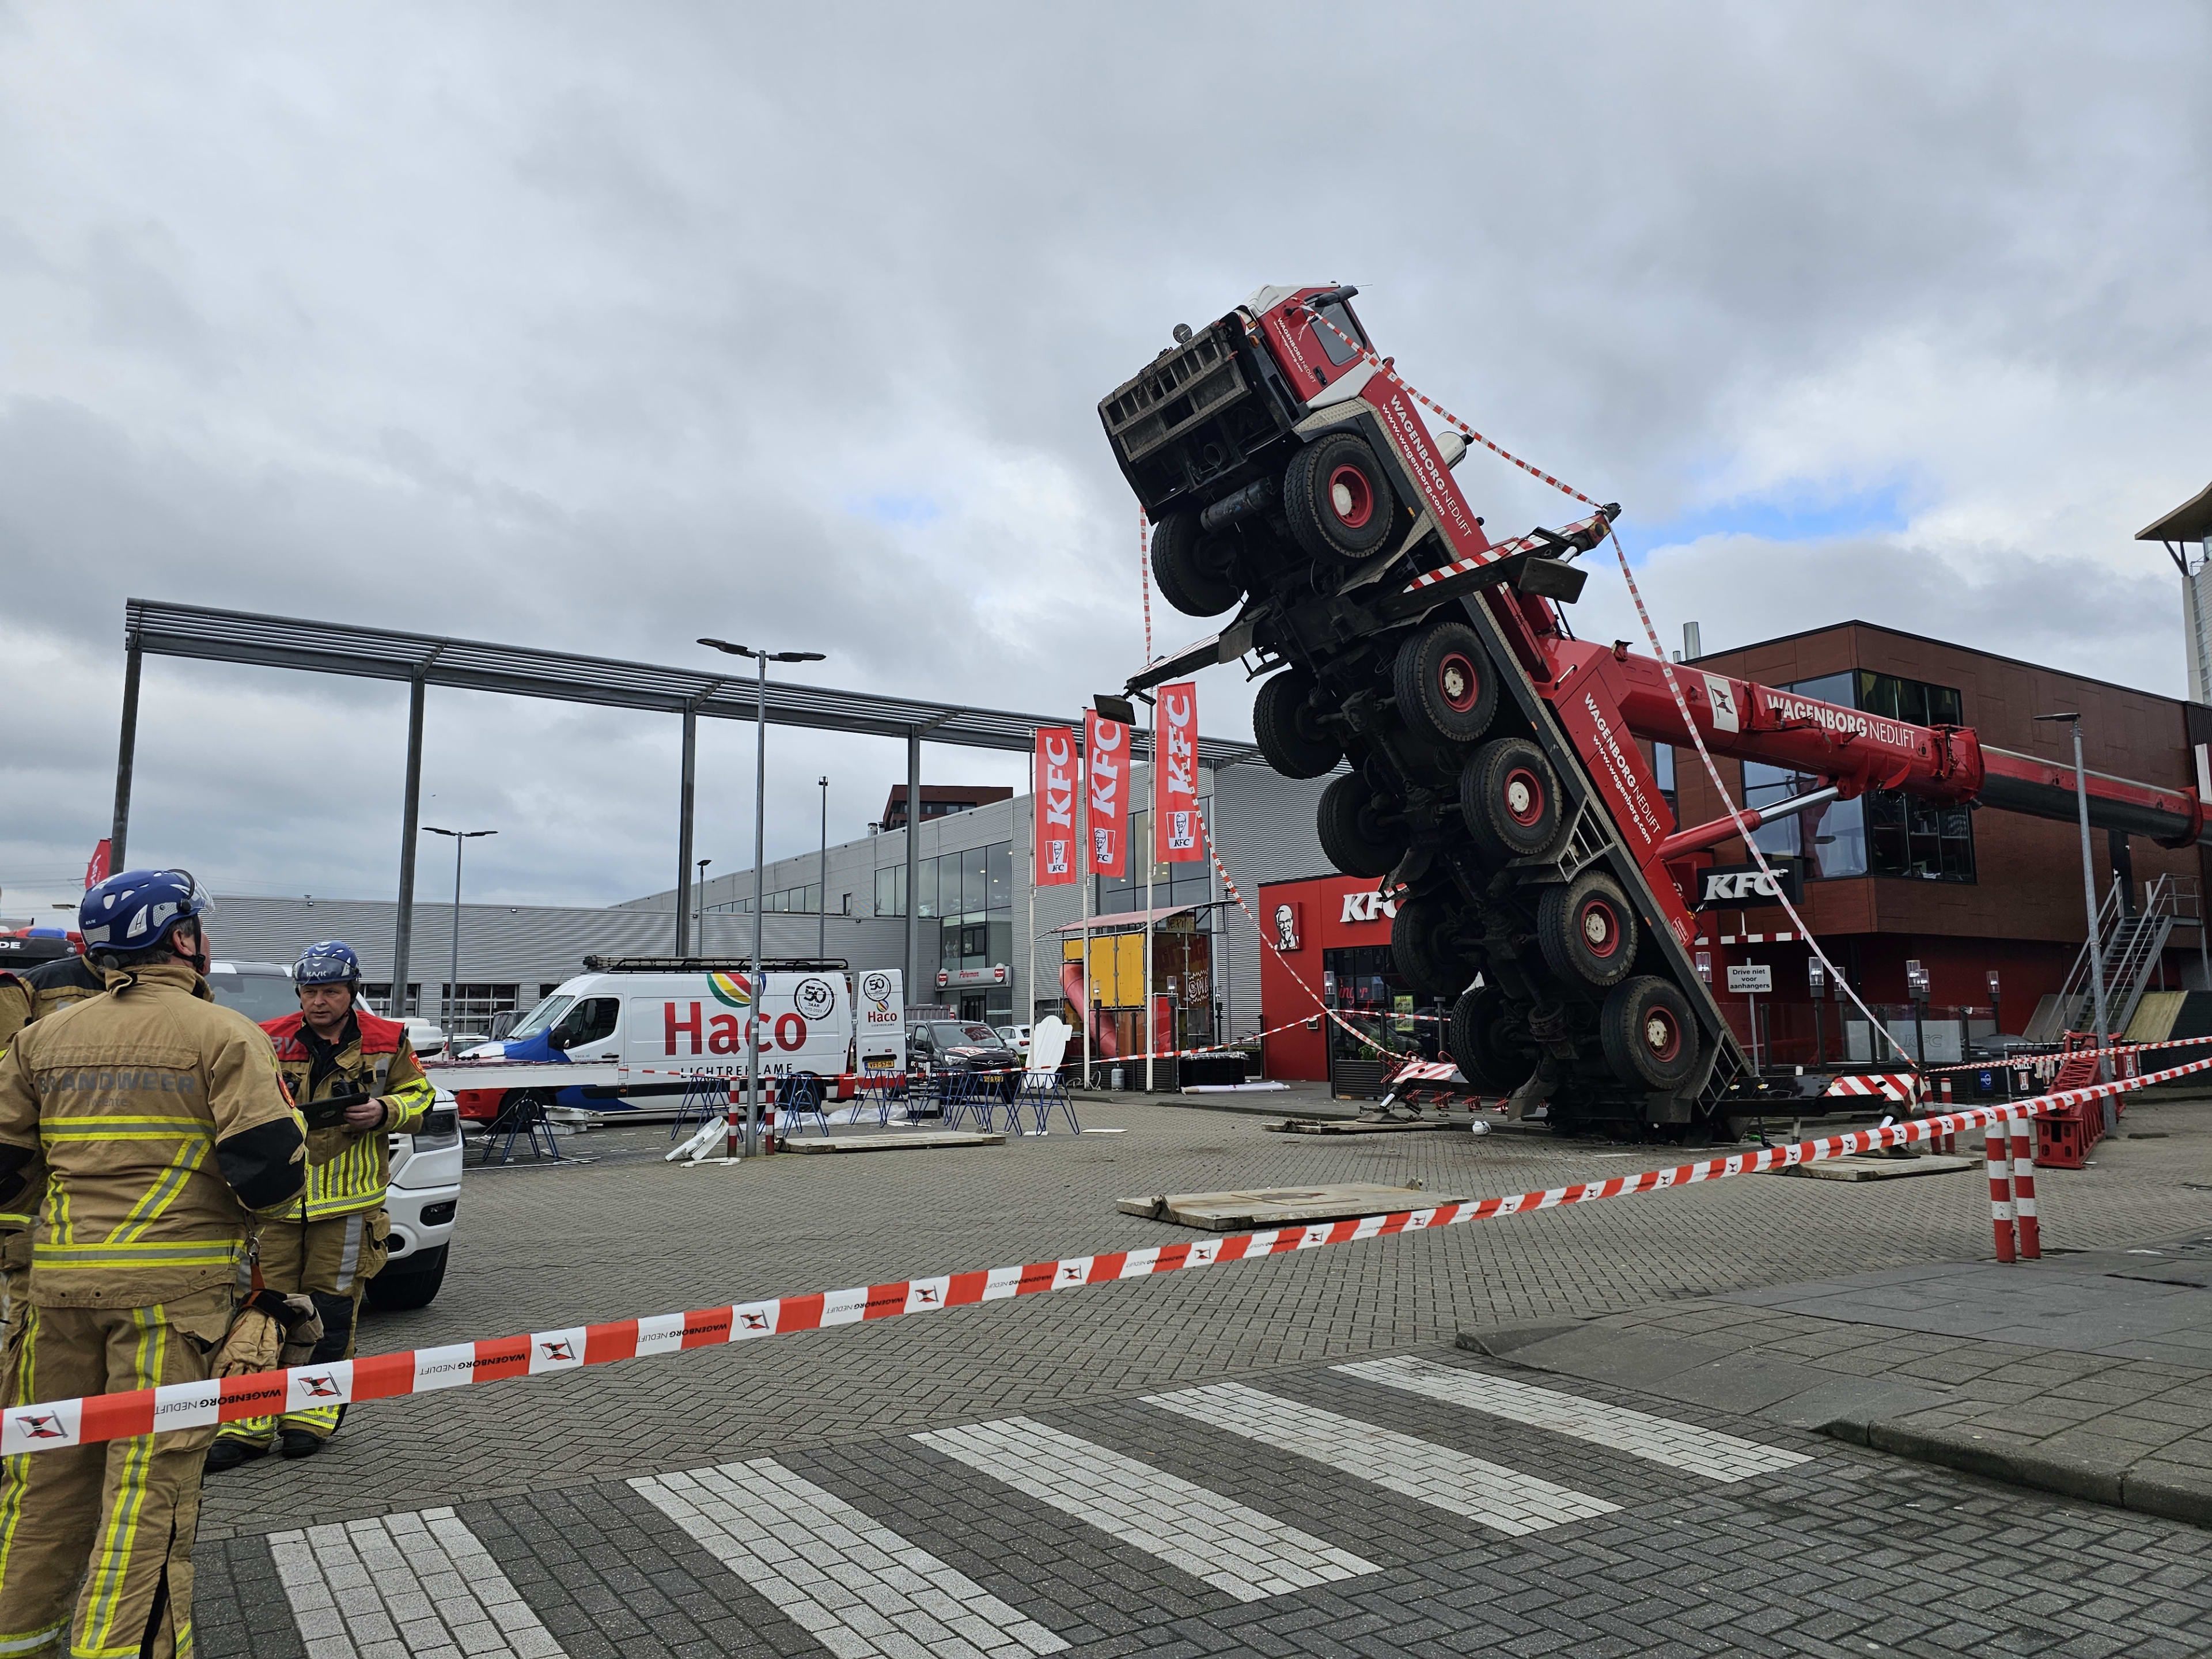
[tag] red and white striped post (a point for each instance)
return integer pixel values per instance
(1994, 1141)
(734, 1122)
(2023, 1190)
(1943, 1141)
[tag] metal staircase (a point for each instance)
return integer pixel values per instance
(2130, 943)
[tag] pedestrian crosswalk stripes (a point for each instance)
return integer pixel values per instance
(419, 1584)
(853, 1584)
(1215, 1539)
(1505, 1500)
(423, 1586)
(1656, 1439)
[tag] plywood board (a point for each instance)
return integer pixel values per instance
(1278, 1207)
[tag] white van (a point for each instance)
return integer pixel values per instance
(656, 1024)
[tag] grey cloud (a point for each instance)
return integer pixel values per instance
(588, 330)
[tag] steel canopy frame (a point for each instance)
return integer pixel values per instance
(164, 629)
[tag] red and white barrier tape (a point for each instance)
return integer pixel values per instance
(52, 1425)
(2019, 1061)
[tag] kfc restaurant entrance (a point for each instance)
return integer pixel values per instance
(1334, 932)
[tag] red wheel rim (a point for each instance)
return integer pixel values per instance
(1350, 496)
(1523, 794)
(1601, 928)
(1662, 1034)
(1457, 681)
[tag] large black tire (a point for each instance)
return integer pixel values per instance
(1425, 945)
(1488, 1041)
(1195, 571)
(1587, 931)
(1283, 724)
(402, 1287)
(1650, 1035)
(1443, 682)
(1509, 799)
(1339, 500)
(1355, 836)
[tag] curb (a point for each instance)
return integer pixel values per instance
(2174, 1491)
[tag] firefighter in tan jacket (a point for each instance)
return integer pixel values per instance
(333, 1243)
(24, 997)
(165, 1131)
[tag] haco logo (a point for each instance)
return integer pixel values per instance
(876, 992)
(724, 1034)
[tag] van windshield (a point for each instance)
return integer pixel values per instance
(541, 1018)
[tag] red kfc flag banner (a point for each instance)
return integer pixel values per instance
(1054, 833)
(1176, 837)
(1106, 756)
(96, 872)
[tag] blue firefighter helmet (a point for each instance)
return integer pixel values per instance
(135, 910)
(329, 963)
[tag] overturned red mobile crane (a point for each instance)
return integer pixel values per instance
(1493, 774)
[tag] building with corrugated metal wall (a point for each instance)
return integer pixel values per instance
(977, 912)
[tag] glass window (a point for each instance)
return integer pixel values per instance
(1339, 352)
(890, 890)
(999, 885)
(975, 880)
(259, 996)
(542, 1016)
(925, 902)
(810, 899)
(1837, 689)
(1663, 768)
(1766, 786)
(1001, 946)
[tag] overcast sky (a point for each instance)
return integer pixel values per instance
(600, 328)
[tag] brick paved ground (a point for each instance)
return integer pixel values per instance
(1831, 1556)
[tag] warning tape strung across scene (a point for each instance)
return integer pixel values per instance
(52, 1425)
(1658, 650)
(2016, 1062)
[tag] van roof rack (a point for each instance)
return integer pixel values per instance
(713, 964)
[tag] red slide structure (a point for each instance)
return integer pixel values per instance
(1492, 775)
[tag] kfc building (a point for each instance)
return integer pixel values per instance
(1333, 932)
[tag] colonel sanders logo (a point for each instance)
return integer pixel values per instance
(1286, 927)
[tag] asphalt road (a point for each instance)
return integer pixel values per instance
(1180, 1465)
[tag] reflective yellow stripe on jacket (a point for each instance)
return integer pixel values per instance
(124, 1246)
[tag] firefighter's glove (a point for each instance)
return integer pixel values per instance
(271, 1330)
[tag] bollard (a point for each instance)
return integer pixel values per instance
(2023, 1190)
(767, 1125)
(733, 1144)
(1994, 1141)
(1943, 1141)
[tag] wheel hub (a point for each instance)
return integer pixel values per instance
(1350, 496)
(1597, 929)
(1659, 1034)
(1524, 798)
(1456, 678)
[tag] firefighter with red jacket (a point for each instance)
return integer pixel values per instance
(333, 1243)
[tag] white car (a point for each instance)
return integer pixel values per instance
(421, 1201)
(1016, 1037)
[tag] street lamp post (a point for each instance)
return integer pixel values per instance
(822, 880)
(453, 973)
(2089, 893)
(760, 869)
(699, 919)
